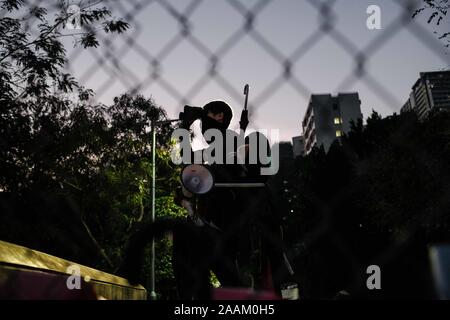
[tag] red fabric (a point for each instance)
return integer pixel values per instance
(243, 294)
(267, 281)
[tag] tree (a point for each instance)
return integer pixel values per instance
(31, 65)
(437, 13)
(379, 197)
(75, 176)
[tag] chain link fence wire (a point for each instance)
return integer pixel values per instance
(110, 59)
(106, 68)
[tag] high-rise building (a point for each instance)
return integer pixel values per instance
(328, 117)
(430, 92)
(298, 146)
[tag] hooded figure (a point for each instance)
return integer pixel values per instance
(217, 210)
(217, 115)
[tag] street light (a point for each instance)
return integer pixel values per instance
(154, 124)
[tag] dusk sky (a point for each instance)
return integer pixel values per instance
(286, 25)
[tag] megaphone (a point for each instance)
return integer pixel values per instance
(197, 179)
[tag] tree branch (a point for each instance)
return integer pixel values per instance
(41, 38)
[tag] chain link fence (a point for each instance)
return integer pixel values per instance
(107, 69)
(154, 62)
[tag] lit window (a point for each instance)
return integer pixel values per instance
(338, 133)
(337, 120)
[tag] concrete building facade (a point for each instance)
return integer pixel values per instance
(328, 117)
(298, 146)
(430, 92)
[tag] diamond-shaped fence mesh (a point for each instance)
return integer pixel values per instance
(180, 33)
(169, 55)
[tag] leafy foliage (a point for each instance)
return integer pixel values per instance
(437, 12)
(378, 198)
(31, 65)
(75, 175)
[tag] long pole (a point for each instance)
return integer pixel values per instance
(152, 263)
(153, 254)
(244, 115)
(246, 92)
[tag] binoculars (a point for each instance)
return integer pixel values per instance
(189, 115)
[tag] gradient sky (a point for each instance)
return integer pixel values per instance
(286, 24)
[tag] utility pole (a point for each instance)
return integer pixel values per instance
(152, 262)
(152, 218)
